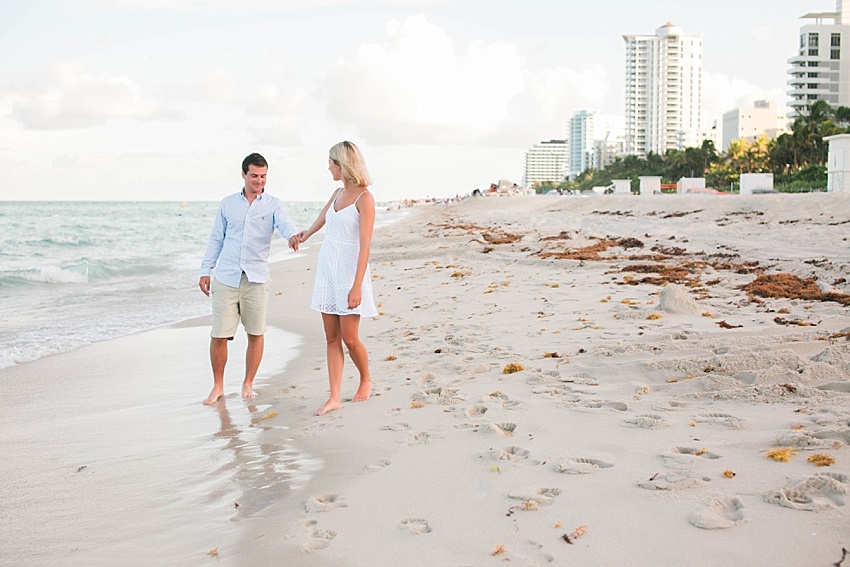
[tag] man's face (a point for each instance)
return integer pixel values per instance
(255, 179)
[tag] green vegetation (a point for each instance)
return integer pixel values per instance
(796, 159)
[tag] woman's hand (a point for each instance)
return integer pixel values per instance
(355, 296)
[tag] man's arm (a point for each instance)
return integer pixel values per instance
(214, 247)
(283, 223)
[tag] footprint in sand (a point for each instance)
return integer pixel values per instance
(723, 512)
(320, 428)
(416, 526)
(512, 454)
(581, 378)
(504, 429)
(377, 466)
(475, 411)
(319, 539)
(395, 427)
(685, 457)
(600, 404)
(324, 503)
(439, 395)
(421, 438)
(817, 492)
(501, 398)
(581, 465)
(480, 368)
(675, 480)
(729, 421)
(542, 496)
(669, 405)
(647, 421)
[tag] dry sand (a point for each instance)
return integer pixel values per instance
(640, 423)
(637, 424)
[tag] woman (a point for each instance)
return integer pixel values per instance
(343, 289)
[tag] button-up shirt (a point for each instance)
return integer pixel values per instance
(242, 236)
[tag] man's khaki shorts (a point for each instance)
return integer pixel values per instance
(230, 305)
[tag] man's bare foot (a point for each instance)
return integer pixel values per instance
(248, 392)
(215, 395)
(330, 405)
(363, 392)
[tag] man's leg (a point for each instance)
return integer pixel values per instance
(253, 357)
(253, 302)
(225, 318)
(218, 360)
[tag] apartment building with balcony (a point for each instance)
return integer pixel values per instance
(748, 123)
(663, 91)
(821, 68)
(547, 161)
(596, 139)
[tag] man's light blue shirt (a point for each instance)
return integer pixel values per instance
(242, 236)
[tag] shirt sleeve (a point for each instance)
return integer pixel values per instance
(283, 223)
(215, 244)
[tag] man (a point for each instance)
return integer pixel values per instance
(239, 251)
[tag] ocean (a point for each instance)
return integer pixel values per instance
(75, 273)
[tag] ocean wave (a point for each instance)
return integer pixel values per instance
(44, 275)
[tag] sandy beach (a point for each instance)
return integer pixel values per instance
(557, 380)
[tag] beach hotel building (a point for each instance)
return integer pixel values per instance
(821, 69)
(547, 161)
(663, 91)
(763, 117)
(595, 140)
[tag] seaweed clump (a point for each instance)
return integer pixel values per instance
(789, 286)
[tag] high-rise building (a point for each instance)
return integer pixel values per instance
(763, 117)
(595, 140)
(821, 68)
(547, 161)
(663, 91)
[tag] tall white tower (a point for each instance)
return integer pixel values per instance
(589, 128)
(821, 68)
(663, 90)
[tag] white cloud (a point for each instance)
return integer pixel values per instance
(762, 34)
(218, 87)
(67, 96)
(416, 88)
(722, 93)
(250, 6)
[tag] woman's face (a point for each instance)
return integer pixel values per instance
(335, 169)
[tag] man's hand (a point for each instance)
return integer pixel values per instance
(294, 241)
(204, 284)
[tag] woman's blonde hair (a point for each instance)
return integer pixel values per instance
(348, 157)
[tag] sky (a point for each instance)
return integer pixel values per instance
(160, 100)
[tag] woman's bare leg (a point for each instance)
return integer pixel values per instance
(350, 327)
(336, 361)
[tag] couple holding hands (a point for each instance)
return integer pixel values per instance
(239, 247)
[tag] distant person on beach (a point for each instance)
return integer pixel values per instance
(239, 251)
(343, 289)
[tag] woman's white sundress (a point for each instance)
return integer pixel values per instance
(337, 264)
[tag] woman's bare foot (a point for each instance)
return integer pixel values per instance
(215, 395)
(330, 405)
(363, 392)
(248, 391)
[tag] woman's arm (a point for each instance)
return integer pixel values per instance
(319, 222)
(366, 207)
